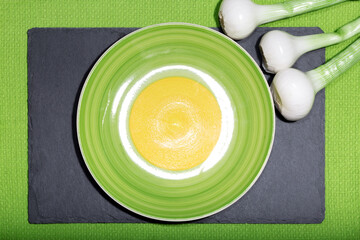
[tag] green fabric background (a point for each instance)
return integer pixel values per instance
(342, 173)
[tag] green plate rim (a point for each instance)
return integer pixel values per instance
(231, 41)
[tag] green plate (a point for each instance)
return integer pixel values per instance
(198, 53)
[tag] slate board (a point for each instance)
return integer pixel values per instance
(291, 189)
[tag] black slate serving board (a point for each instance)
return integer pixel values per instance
(291, 188)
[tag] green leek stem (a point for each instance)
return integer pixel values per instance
(344, 60)
(269, 13)
(312, 42)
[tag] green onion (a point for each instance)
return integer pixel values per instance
(239, 18)
(294, 91)
(280, 50)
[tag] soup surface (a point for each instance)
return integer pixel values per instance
(175, 123)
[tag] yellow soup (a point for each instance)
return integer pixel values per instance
(175, 123)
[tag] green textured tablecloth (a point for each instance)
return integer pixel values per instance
(342, 130)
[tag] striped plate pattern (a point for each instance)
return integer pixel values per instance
(174, 46)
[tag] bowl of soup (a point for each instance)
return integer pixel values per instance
(175, 122)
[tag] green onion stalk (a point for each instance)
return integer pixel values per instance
(239, 18)
(280, 50)
(294, 91)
